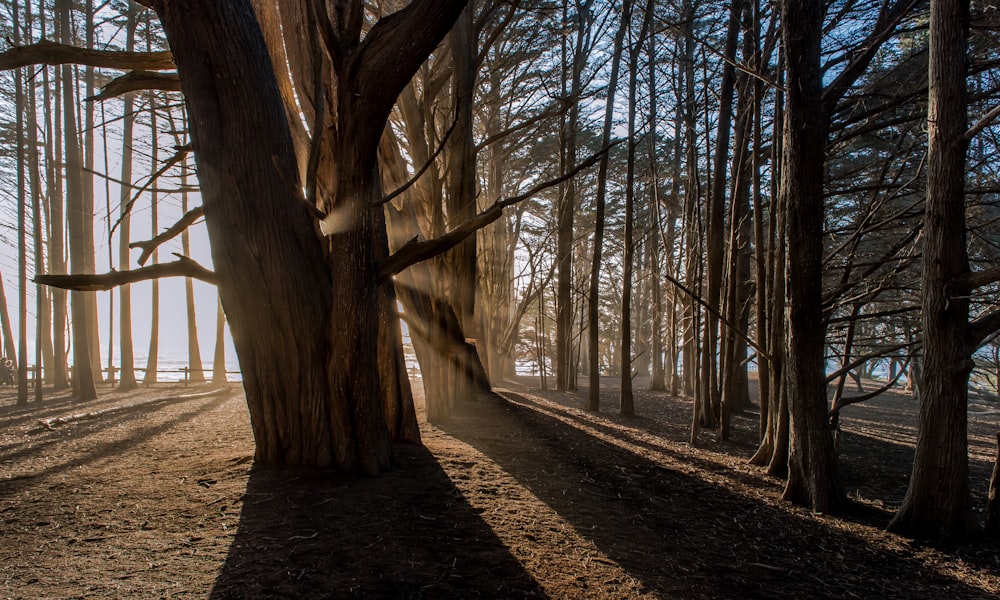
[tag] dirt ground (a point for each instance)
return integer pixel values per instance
(151, 494)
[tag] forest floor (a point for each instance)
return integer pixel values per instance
(151, 494)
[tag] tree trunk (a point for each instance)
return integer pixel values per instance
(196, 372)
(593, 319)
(567, 201)
(812, 474)
(937, 502)
(219, 375)
(56, 220)
(127, 381)
(22, 225)
(312, 370)
(84, 387)
(152, 355)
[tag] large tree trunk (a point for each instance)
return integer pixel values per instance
(937, 502)
(305, 322)
(812, 473)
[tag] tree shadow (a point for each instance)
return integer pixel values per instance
(684, 535)
(406, 534)
(82, 430)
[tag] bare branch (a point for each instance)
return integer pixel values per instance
(415, 250)
(183, 267)
(182, 151)
(835, 411)
(134, 81)
(867, 357)
(176, 229)
(423, 169)
(983, 122)
(45, 52)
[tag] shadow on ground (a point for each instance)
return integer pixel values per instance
(406, 534)
(680, 534)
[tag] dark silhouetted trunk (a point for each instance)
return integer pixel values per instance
(937, 502)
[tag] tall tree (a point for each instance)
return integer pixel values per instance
(196, 372)
(22, 223)
(937, 502)
(84, 387)
(325, 406)
(128, 380)
(812, 474)
(566, 208)
(593, 307)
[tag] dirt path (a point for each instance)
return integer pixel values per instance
(521, 495)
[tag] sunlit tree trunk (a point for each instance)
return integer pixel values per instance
(43, 316)
(153, 353)
(56, 219)
(219, 359)
(22, 223)
(127, 381)
(196, 373)
(87, 181)
(84, 387)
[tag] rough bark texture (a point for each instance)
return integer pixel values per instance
(305, 319)
(260, 231)
(937, 503)
(812, 474)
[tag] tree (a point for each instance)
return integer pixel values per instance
(593, 321)
(84, 387)
(812, 475)
(937, 502)
(324, 407)
(128, 381)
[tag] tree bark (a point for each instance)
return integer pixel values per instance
(84, 387)
(593, 319)
(304, 317)
(812, 474)
(937, 502)
(128, 381)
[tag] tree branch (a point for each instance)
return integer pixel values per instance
(416, 250)
(45, 52)
(176, 229)
(835, 411)
(867, 357)
(183, 267)
(134, 81)
(423, 169)
(182, 151)
(983, 122)
(975, 279)
(983, 328)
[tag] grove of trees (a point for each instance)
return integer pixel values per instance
(694, 192)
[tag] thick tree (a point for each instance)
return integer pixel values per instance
(304, 308)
